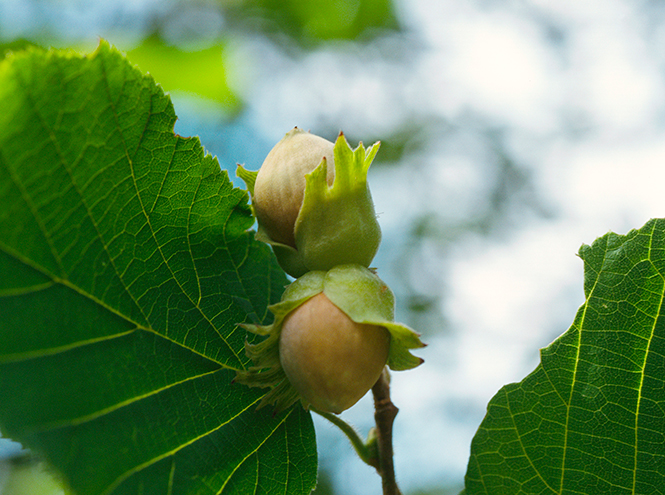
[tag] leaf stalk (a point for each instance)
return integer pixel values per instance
(377, 451)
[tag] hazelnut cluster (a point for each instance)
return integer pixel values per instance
(333, 330)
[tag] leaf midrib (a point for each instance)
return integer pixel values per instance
(63, 278)
(644, 363)
(574, 379)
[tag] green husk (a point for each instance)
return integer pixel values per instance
(354, 289)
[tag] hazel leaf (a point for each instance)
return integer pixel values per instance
(591, 417)
(125, 265)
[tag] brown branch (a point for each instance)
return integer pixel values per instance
(384, 415)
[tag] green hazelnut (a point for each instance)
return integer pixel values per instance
(333, 333)
(313, 203)
(331, 360)
(280, 183)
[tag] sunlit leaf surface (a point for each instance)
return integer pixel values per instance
(591, 417)
(125, 264)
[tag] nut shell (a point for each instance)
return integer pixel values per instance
(328, 358)
(280, 183)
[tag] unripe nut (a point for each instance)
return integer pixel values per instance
(280, 183)
(332, 334)
(328, 358)
(313, 204)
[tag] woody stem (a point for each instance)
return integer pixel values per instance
(384, 415)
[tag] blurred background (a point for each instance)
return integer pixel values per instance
(512, 132)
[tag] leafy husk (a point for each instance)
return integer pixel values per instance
(354, 289)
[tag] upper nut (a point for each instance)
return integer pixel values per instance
(313, 204)
(280, 183)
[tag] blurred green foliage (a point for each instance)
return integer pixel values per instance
(199, 72)
(24, 475)
(14, 46)
(195, 59)
(309, 23)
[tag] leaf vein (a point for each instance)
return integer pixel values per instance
(253, 452)
(574, 378)
(109, 409)
(173, 451)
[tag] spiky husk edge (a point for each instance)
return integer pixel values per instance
(357, 291)
(267, 371)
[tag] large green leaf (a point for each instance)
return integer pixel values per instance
(125, 264)
(591, 418)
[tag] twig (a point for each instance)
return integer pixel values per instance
(364, 450)
(377, 451)
(384, 415)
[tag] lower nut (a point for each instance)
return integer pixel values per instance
(332, 335)
(331, 360)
